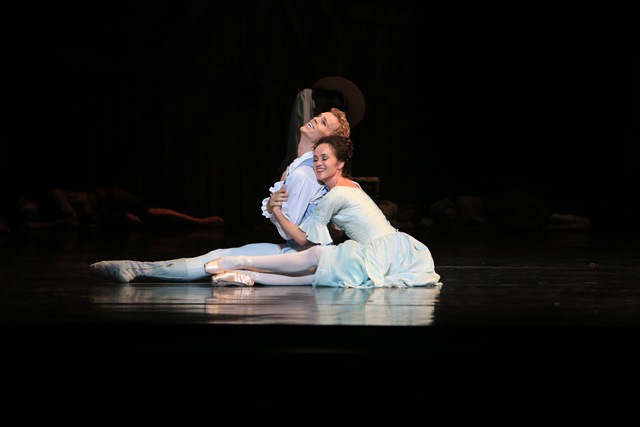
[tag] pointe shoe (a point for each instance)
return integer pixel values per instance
(238, 262)
(213, 267)
(232, 278)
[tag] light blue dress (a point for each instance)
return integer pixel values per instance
(377, 254)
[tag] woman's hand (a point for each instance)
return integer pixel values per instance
(277, 198)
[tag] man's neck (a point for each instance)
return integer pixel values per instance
(304, 148)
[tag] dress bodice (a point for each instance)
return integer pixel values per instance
(353, 211)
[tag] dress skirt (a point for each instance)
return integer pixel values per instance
(394, 260)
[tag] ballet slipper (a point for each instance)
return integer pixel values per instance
(126, 271)
(123, 271)
(213, 267)
(239, 263)
(232, 278)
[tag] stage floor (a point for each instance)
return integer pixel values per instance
(490, 279)
(559, 308)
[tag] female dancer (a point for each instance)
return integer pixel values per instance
(376, 254)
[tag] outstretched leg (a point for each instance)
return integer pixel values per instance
(249, 278)
(176, 270)
(292, 263)
(195, 265)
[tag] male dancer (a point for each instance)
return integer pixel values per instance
(303, 189)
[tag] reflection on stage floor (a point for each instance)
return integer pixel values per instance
(516, 314)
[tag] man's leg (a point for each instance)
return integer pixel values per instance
(177, 270)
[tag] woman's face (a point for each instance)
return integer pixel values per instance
(326, 164)
(324, 124)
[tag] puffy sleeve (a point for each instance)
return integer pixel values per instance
(317, 224)
(265, 201)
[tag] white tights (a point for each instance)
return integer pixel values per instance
(293, 268)
(195, 265)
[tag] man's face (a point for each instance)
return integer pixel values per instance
(323, 124)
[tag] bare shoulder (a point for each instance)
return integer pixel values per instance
(351, 184)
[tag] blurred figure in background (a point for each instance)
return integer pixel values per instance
(100, 207)
(513, 210)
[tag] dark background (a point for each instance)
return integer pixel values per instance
(187, 103)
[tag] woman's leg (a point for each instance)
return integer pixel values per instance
(279, 279)
(195, 265)
(288, 263)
